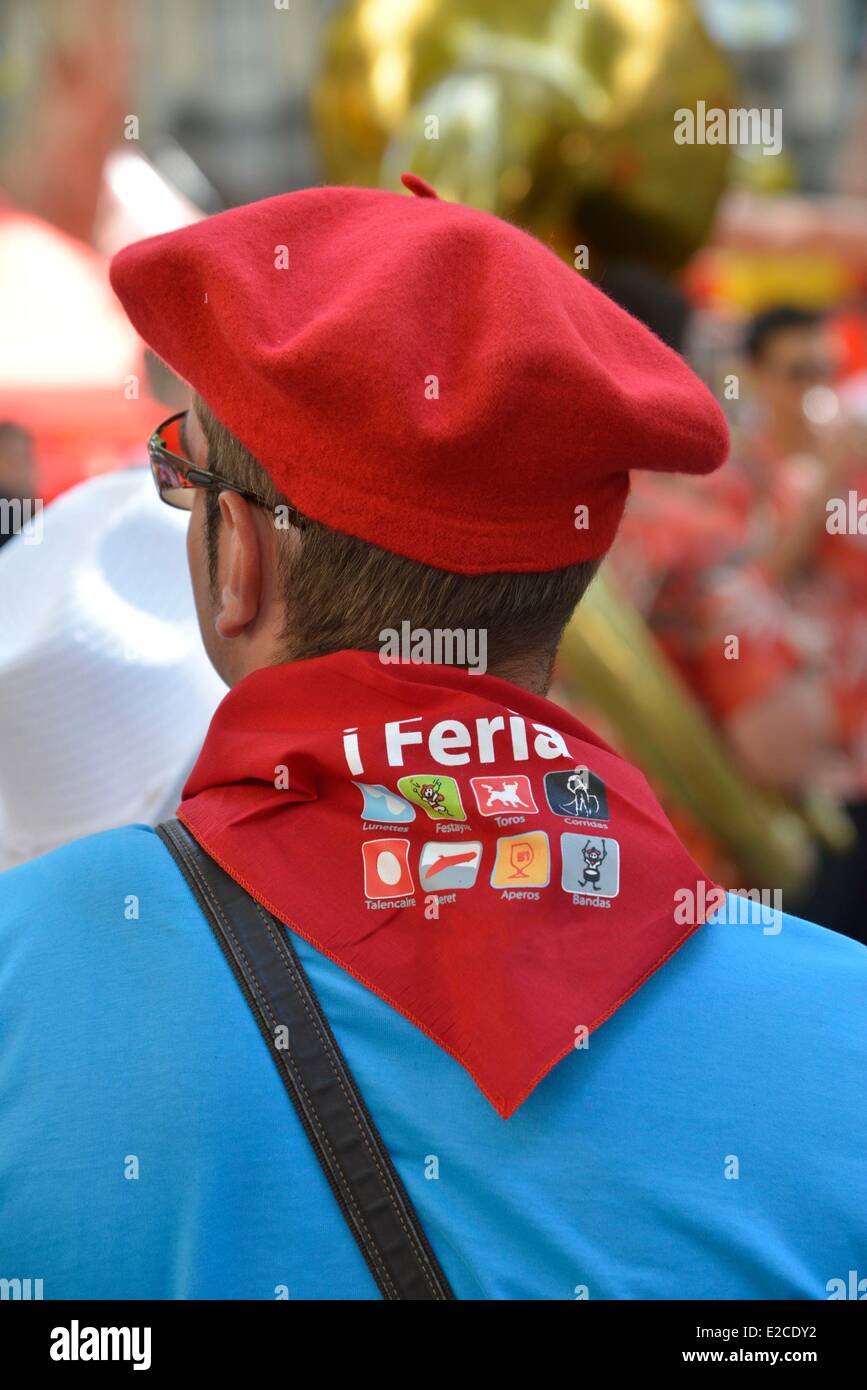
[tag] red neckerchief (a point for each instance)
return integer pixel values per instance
(403, 819)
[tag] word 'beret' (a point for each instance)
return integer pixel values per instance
(419, 374)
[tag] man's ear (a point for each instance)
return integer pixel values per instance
(240, 570)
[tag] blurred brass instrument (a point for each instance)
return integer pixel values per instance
(556, 117)
(560, 118)
(610, 659)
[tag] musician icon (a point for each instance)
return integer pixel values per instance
(591, 865)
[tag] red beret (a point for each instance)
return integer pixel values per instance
(420, 374)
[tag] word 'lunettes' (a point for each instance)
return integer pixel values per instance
(449, 742)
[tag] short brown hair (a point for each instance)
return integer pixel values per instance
(342, 592)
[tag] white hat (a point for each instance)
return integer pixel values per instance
(105, 688)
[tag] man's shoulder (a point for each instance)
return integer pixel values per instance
(85, 868)
(763, 951)
(759, 933)
(760, 984)
(78, 897)
(78, 859)
(769, 980)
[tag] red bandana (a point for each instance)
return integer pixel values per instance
(469, 852)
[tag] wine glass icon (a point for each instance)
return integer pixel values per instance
(520, 858)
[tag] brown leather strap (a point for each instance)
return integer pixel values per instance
(354, 1159)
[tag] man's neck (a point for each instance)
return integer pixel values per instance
(529, 673)
(532, 671)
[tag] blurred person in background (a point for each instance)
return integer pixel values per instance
(761, 610)
(792, 473)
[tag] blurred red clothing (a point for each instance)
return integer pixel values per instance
(694, 559)
(71, 372)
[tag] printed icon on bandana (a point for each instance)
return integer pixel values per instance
(384, 805)
(497, 796)
(448, 864)
(523, 861)
(438, 796)
(579, 794)
(386, 869)
(591, 865)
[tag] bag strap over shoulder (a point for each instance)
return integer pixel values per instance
(354, 1159)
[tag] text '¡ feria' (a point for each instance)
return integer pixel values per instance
(452, 743)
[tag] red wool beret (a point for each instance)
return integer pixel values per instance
(419, 374)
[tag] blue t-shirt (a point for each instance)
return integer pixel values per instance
(708, 1143)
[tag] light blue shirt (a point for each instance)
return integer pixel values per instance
(709, 1142)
